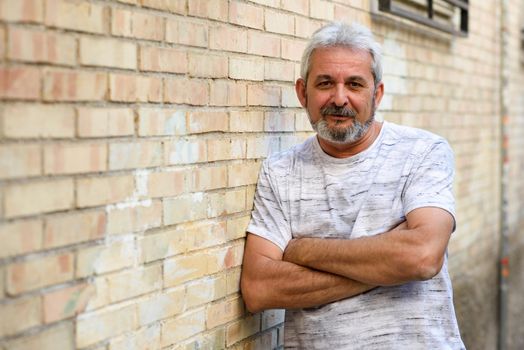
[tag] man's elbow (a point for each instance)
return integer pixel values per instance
(428, 266)
(250, 295)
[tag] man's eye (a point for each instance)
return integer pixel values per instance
(354, 84)
(324, 84)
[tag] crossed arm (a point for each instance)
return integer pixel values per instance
(313, 271)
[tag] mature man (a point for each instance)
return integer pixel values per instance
(350, 228)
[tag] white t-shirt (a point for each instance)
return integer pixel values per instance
(303, 192)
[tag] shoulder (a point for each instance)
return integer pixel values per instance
(419, 141)
(281, 163)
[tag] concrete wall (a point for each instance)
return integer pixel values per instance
(131, 135)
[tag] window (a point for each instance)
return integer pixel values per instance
(450, 16)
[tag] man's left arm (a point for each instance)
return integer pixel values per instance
(411, 252)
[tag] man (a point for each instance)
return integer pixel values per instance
(349, 229)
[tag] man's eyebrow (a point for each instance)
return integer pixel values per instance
(323, 77)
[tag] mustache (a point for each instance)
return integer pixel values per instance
(339, 111)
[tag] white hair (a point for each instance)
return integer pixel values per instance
(338, 34)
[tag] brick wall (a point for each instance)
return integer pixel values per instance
(131, 135)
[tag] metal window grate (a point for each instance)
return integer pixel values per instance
(429, 16)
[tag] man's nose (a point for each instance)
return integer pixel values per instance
(340, 97)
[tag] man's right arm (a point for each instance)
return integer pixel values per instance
(268, 282)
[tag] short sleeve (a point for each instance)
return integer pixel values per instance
(268, 219)
(430, 184)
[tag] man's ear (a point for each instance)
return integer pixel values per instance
(379, 92)
(300, 88)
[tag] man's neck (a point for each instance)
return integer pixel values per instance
(345, 150)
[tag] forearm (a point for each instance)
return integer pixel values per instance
(279, 284)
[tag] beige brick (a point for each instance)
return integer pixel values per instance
(261, 147)
(289, 97)
(67, 85)
(161, 121)
(60, 336)
(208, 65)
(246, 15)
(22, 11)
(37, 273)
(271, 3)
(222, 149)
(208, 178)
(224, 312)
(38, 197)
(305, 26)
(246, 121)
(189, 207)
(242, 329)
(292, 49)
(66, 302)
(164, 244)
(221, 259)
(279, 121)
(174, 6)
(161, 306)
(235, 201)
(250, 195)
(138, 25)
(102, 325)
(206, 290)
(228, 93)
(297, 6)
(135, 88)
(217, 9)
(95, 191)
(159, 59)
(20, 314)
(20, 83)
(233, 280)
(141, 154)
(167, 183)
(263, 44)
(20, 160)
(133, 219)
(185, 151)
(246, 68)
(135, 282)
(322, 10)
(102, 122)
(143, 338)
(74, 15)
(3, 44)
(243, 174)
(186, 91)
(62, 230)
(108, 53)
(32, 121)
(184, 268)
(215, 339)
(278, 22)
(183, 327)
(75, 158)
(20, 237)
(236, 227)
(187, 32)
(236, 38)
(279, 70)
(263, 95)
(105, 258)
(207, 121)
(205, 235)
(302, 122)
(37, 46)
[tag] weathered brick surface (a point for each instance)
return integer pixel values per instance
(131, 138)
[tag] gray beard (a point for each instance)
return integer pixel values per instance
(345, 135)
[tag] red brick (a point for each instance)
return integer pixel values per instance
(20, 83)
(228, 93)
(37, 46)
(216, 9)
(186, 91)
(38, 273)
(134, 88)
(207, 121)
(161, 121)
(68, 85)
(207, 65)
(263, 44)
(186, 32)
(22, 10)
(228, 38)
(62, 230)
(246, 15)
(103, 122)
(20, 160)
(38, 120)
(174, 6)
(76, 15)
(108, 53)
(66, 302)
(75, 158)
(20, 237)
(158, 59)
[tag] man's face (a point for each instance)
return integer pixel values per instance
(340, 95)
